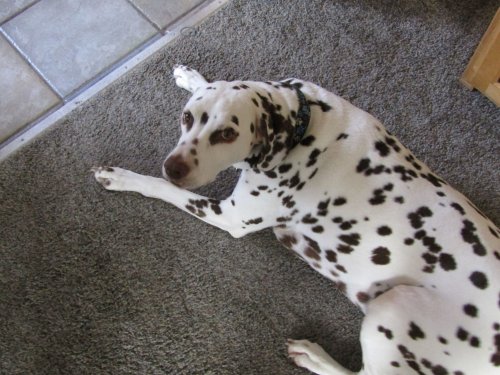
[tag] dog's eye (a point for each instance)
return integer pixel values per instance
(228, 134)
(187, 120)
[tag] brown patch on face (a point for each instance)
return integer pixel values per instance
(227, 135)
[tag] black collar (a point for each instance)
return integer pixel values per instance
(303, 117)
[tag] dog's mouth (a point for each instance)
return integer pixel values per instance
(182, 183)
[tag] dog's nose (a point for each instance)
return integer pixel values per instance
(175, 167)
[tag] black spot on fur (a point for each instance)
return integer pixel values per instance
(434, 180)
(313, 244)
(257, 220)
(235, 120)
(469, 235)
(346, 225)
(342, 136)
(271, 174)
(474, 342)
(406, 174)
(386, 331)
(479, 280)
(307, 141)
(363, 165)
(308, 219)
(462, 334)
(313, 157)
(415, 332)
(199, 203)
(288, 202)
(204, 118)
(323, 207)
(331, 256)
(447, 262)
(324, 107)
(416, 217)
(384, 230)
(283, 168)
(459, 208)
(215, 206)
(381, 256)
(350, 239)
(294, 181)
(376, 200)
(470, 310)
(317, 229)
(346, 249)
(313, 173)
(399, 200)
(339, 201)
(382, 148)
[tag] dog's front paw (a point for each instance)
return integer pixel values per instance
(117, 179)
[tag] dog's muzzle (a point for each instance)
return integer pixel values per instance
(175, 168)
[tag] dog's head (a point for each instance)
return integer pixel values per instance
(225, 124)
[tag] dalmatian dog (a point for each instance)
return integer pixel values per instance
(417, 257)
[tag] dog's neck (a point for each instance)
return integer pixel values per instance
(303, 117)
(282, 120)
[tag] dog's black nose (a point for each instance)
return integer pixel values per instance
(175, 167)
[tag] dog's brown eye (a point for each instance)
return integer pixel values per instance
(228, 134)
(187, 119)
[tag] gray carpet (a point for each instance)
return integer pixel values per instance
(93, 282)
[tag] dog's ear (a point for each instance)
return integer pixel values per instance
(274, 138)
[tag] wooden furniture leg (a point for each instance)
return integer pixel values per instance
(483, 71)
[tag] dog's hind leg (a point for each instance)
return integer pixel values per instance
(411, 329)
(407, 330)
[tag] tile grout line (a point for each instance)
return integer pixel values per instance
(57, 112)
(31, 64)
(144, 15)
(15, 14)
(198, 8)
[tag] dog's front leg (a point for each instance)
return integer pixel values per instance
(220, 213)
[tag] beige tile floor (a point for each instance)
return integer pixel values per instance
(53, 50)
